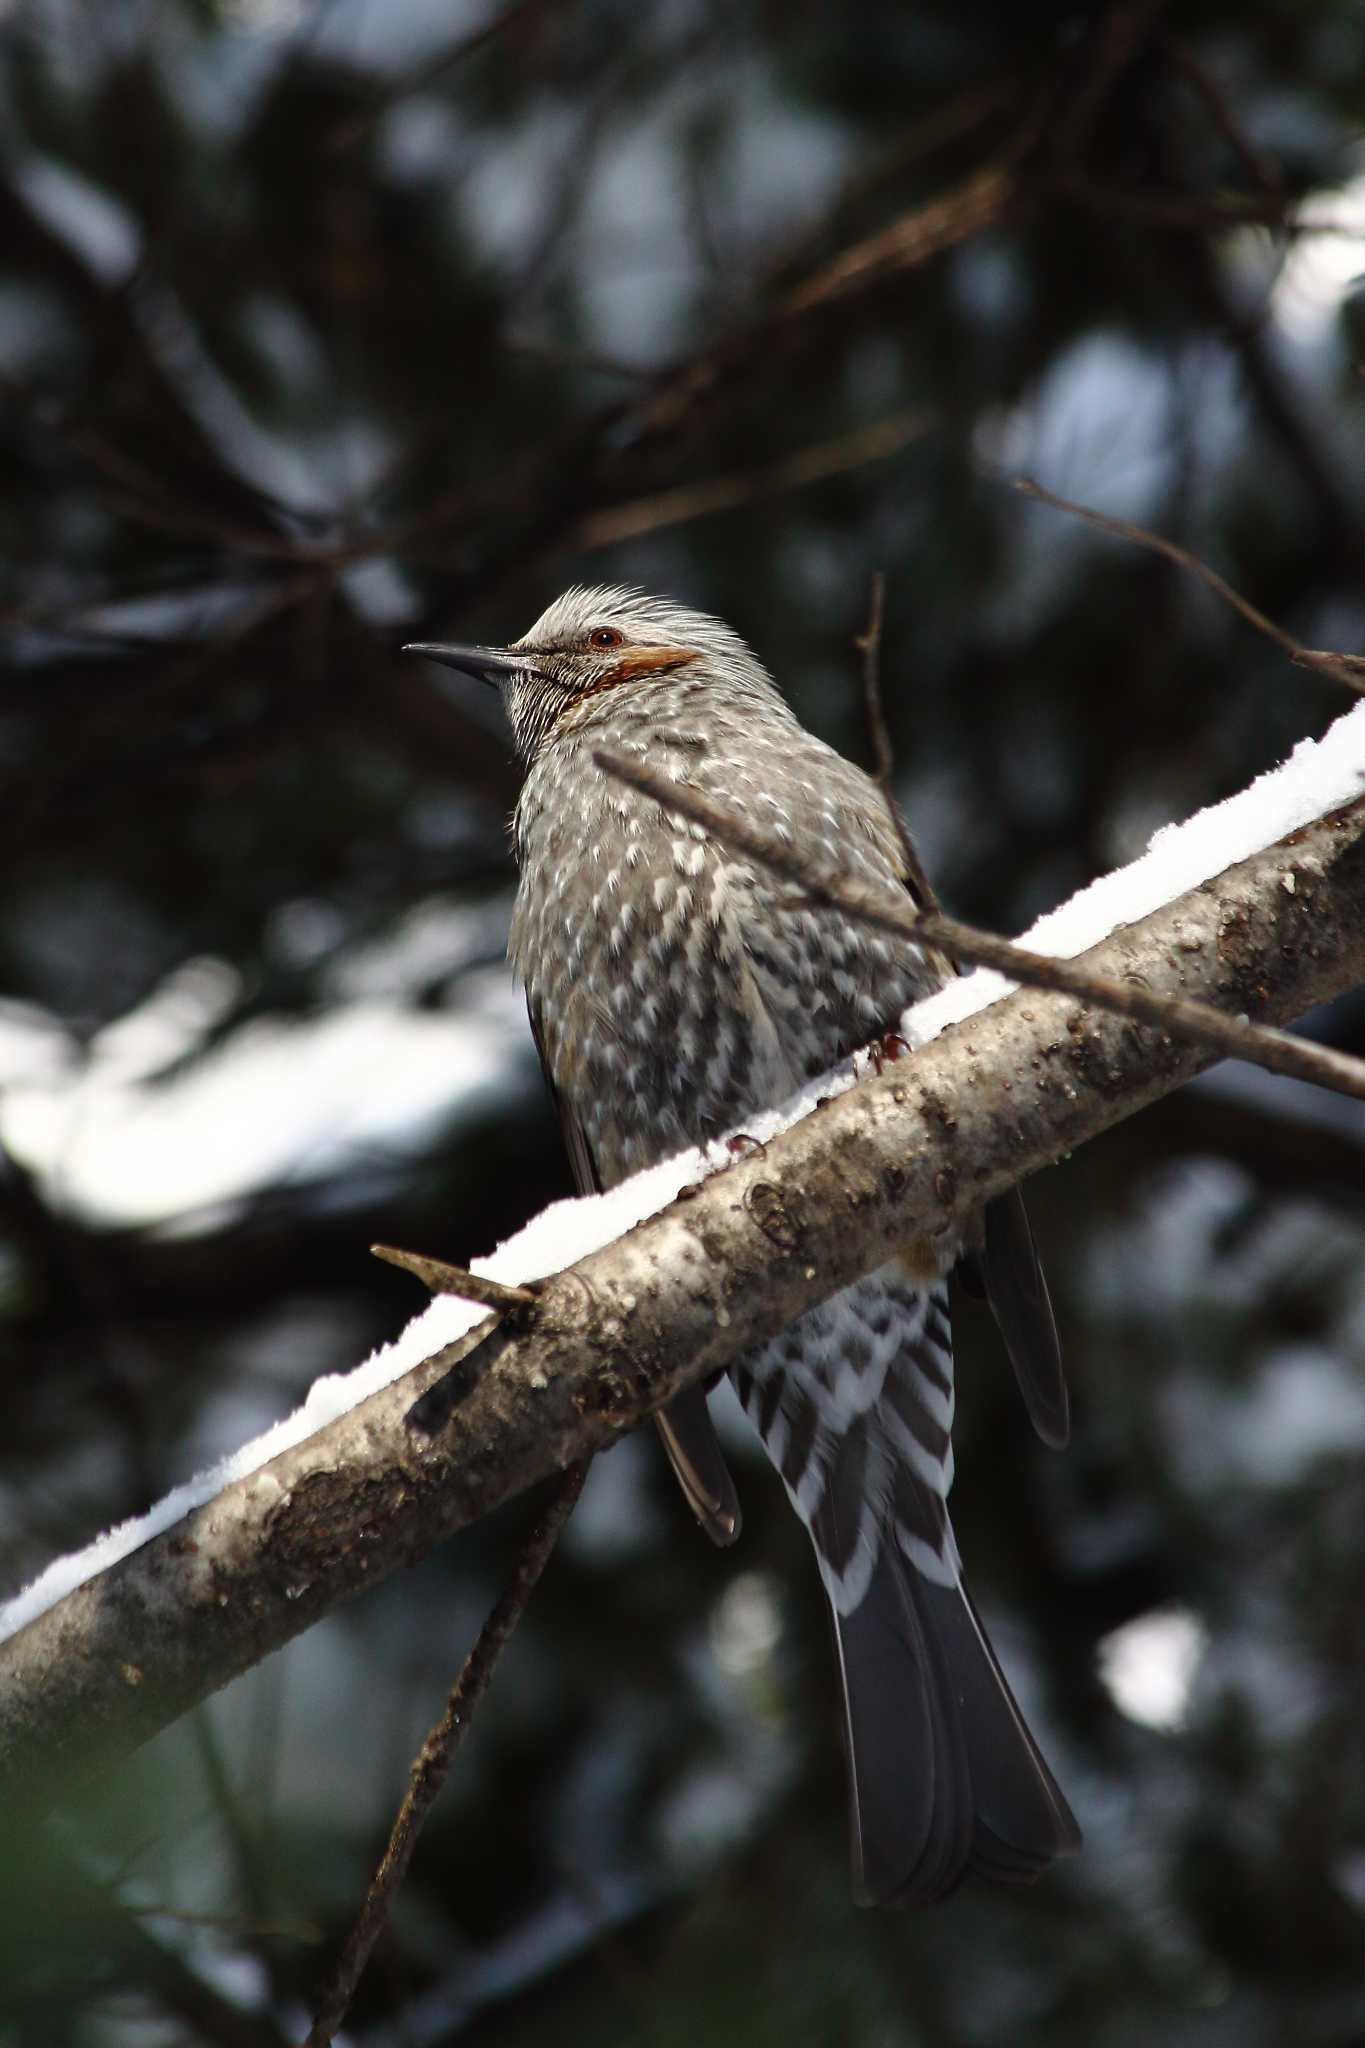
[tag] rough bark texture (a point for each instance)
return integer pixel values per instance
(908, 1153)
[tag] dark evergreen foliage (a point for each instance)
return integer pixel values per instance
(330, 324)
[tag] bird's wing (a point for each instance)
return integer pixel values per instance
(1017, 1291)
(685, 1426)
(1006, 1268)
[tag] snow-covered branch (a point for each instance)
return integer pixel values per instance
(909, 1152)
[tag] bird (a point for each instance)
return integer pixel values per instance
(674, 987)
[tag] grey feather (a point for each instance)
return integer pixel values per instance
(685, 1427)
(1016, 1288)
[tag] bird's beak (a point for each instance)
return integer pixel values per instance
(492, 665)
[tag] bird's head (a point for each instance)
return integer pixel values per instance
(589, 642)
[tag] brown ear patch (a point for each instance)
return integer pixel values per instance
(634, 662)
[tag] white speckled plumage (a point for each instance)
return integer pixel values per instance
(754, 993)
(674, 988)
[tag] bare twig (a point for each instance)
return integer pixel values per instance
(419, 76)
(1343, 668)
(1262, 169)
(872, 443)
(1117, 39)
(442, 1278)
(1338, 536)
(914, 238)
(869, 644)
(558, 353)
(948, 123)
(923, 232)
(1350, 667)
(1180, 210)
(432, 1764)
(255, 1928)
(1197, 1023)
(200, 2011)
(141, 495)
(229, 1923)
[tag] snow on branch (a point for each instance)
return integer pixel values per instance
(114, 1643)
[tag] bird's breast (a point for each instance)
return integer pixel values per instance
(676, 987)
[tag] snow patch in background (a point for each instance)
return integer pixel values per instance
(1148, 1666)
(1320, 270)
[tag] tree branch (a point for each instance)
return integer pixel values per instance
(1200, 1023)
(1342, 668)
(911, 1152)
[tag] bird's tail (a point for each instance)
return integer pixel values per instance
(854, 1404)
(944, 1775)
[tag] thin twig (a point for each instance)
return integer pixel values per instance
(1197, 1023)
(1262, 169)
(1117, 40)
(932, 132)
(869, 645)
(419, 76)
(229, 1923)
(561, 356)
(939, 224)
(432, 1764)
(872, 443)
(1351, 666)
(443, 1278)
(1205, 216)
(1343, 668)
(255, 1927)
(143, 1956)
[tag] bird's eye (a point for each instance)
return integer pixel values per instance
(604, 636)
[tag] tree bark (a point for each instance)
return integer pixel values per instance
(909, 1153)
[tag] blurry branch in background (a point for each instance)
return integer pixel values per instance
(1342, 668)
(1261, 168)
(175, 2000)
(931, 133)
(1277, 1140)
(1200, 214)
(1346, 668)
(183, 1992)
(911, 1152)
(419, 76)
(1117, 37)
(925, 231)
(622, 434)
(1037, 133)
(1198, 1023)
(628, 430)
(431, 1766)
(872, 443)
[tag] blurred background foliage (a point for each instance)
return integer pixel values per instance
(328, 324)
